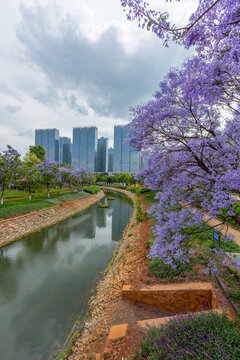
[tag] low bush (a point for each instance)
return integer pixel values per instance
(161, 270)
(92, 189)
(140, 215)
(193, 337)
(138, 190)
(103, 206)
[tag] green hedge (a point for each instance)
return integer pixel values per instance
(92, 189)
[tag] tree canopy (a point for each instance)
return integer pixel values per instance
(190, 130)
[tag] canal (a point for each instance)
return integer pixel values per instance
(46, 279)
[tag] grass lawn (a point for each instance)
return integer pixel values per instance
(18, 202)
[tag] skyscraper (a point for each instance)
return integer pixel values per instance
(125, 157)
(49, 140)
(110, 159)
(84, 148)
(102, 155)
(64, 150)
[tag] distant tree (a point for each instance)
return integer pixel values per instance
(49, 172)
(30, 173)
(9, 168)
(78, 176)
(64, 177)
(39, 151)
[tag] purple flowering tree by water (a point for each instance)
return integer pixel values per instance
(78, 176)
(9, 168)
(64, 177)
(49, 173)
(190, 130)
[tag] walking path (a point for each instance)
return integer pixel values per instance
(225, 229)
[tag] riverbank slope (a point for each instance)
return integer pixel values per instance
(128, 267)
(14, 228)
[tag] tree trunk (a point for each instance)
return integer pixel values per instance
(1, 197)
(48, 192)
(30, 193)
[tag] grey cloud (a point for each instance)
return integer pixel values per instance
(72, 103)
(4, 89)
(12, 109)
(48, 97)
(110, 79)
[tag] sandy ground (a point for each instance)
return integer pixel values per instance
(14, 228)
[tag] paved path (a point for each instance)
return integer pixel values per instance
(224, 228)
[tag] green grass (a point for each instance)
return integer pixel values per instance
(6, 212)
(193, 337)
(74, 196)
(235, 296)
(22, 205)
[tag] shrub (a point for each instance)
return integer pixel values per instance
(161, 270)
(138, 190)
(92, 189)
(103, 206)
(140, 215)
(193, 336)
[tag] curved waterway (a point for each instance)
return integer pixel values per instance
(46, 279)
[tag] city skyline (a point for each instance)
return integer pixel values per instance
(90, 152)
(72, 64)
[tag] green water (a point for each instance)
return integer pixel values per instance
(46, 279)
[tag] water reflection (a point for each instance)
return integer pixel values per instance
(47, 277)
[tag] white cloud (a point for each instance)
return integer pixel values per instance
(77, 63)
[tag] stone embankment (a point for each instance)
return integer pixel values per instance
(14, 228)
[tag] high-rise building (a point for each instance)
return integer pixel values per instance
(102, 155)
(64, 150)
(49, 140)
(110, 159)
(84, 148)
(125, 157)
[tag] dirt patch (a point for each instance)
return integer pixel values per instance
(14, 228)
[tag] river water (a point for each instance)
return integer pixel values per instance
(46, 279)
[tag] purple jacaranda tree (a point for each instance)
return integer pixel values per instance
(49, 172)
(78, 176)
(190, 131)
(9, 168)
(64, 177)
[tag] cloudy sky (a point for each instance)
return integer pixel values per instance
(76, 63)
